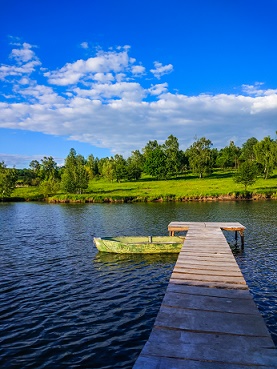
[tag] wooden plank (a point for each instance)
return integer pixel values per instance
(161, 362)
(208, 258)
(213, 258)
(207, 277)
(202, 255)
(207, 271)
(204, 291)
(210, 303)
(209, 284)
(214, 348)
(216, 258)
(210, 321)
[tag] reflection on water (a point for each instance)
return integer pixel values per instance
(117, 260)
(64, 304)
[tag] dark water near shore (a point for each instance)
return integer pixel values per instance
(64, 305)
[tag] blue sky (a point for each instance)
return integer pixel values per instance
(105, 77)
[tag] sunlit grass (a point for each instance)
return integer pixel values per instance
(185, 188)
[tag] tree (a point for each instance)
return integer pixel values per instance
(247, 150)
(149, 147)
(100, 165)
(49, 186)
(108, 169)
(184, 162)
(92, 166)
(35, 166)
(120, 167)
(135, 165)
(25, 177)
(75, 177)
(154, 160)
(228, 156)
(173, 156)
(265, 152)
(246, 174)
(48, 168)
(8, 179)
(200, 156)
(155, 163)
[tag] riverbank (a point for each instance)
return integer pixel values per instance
(161, 198)
(220, 186)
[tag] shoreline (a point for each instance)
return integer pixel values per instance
(85, 198)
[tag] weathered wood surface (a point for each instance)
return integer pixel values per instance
(227, 226)
(208, 319)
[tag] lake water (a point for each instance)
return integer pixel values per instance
(64, 305)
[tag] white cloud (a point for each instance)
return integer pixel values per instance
(257, 90)
(103, 77)
(125, 90)
(138, 69)
(111, 109)
(40, 93)
(161, 70)
(84, 45)
(23, 161)
(158, 89)
(15, 71)
(24, 54)
(25, 62)
(104, 62)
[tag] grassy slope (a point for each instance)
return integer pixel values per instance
(186, 188)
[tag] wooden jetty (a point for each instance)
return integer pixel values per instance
(208, 319)
(226, 226)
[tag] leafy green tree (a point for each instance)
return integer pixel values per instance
(135, 165)
(149, 147)
(75, 177)
(265, 152)
(246, 174)
(49, 186)
(35, 166)
(200, 157)
(155, 163)
(173, 156)
(108, 169)
(92, 166)
(8, 178)
(120, 168)
(100, 164)
(228, 156)
(214, 156)
(25, 177)
(48, 168)
(154, 160)
(247, 150)
(35, 170)
(184, 162)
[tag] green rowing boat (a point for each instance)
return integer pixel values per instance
(139, 244)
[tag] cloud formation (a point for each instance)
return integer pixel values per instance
(104, 101)
(161, 70)
(25, 62)
(21, 160)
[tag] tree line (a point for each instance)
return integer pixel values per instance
(160, 161)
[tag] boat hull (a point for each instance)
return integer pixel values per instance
(139, 245)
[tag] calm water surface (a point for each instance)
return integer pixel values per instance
(64, 305)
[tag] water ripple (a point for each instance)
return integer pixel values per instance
(63, 305)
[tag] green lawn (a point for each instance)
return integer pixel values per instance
(185, 188)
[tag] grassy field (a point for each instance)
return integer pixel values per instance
(220, 185)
